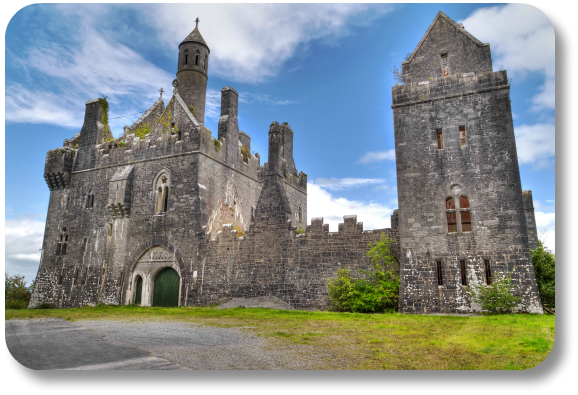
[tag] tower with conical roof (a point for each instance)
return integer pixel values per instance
(192, 72)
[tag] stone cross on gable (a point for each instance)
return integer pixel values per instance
(197, 20)
(161, 91)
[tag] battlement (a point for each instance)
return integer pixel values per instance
(447, 87)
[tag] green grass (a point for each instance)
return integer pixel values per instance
(364, 341)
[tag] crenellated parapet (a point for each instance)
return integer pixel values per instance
(58, 167)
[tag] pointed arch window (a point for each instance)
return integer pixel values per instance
(89, 199)
(197, 58)
(162, 187)
(186, 56)
(62, 243)
(451, 215)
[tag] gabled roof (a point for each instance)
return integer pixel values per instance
(196, 37)
(459, 27)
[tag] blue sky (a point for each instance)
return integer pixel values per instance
(325, 69)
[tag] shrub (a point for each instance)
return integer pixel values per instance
(497, 298)
(142, 130)
(16, 293)
(240, 232)
(246, 153)
(120, 144)
(377, 291)
(217, 144)
(300, 230)
(544, 262)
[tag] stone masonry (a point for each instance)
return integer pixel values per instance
(167, 194)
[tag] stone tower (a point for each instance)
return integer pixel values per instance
(462, 215)
(192, 72)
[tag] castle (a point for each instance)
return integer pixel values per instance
(167, 215)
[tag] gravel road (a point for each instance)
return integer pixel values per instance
(150, 344)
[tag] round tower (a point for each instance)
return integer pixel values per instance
(192, 72)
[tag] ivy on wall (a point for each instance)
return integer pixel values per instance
(104, 118)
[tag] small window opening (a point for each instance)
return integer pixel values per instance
(63, 252)
(440, 139)
(166, 203)
(439, 270)
(488, 271)
(186, 56)
(300, 214)
(60, 279)
(445, 66)
(451, 215)
(85, 245)
(92, 200)
(206, 62)
(58, 247)
(196, 59)
(67, 202)
(463, 271)
(110, 230)
(463, 141)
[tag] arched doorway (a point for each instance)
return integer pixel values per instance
(166, 289)
(138, 296)
(155, 279)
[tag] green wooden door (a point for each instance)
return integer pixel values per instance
(166, 293)
(138, 290)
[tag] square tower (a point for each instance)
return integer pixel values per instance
(462, 218)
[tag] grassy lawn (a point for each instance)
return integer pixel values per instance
(365, 341)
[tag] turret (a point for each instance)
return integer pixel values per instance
(192, 72)
(275, 146)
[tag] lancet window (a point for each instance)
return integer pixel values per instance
(162, 188)
(62, 243)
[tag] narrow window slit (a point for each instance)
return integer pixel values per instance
(440, 139)
(488, 271)
(463, 271)
(463, 141)
(439, 269)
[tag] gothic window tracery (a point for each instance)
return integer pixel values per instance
(465, 216)
(451, 215)
(162, 187)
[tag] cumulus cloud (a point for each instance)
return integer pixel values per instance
(250, 42)
(377, 156)
(23, 237)
(536, 144)
(336, 184)
(321, 203)
(522, 40)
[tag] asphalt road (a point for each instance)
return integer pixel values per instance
(58, 344)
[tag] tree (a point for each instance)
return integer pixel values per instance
(17, 294)
(377, 291)
(397, 71)
(544, 262)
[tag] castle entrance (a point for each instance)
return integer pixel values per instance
(166, 292)
(156, 279)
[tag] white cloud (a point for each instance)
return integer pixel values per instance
(250, 42)
(536, 144)
(522, 40)
(69, 76)
(248, 98)
(546, 224)
(377, 156)
(321, 203)
(336, 184)
(23, 237)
